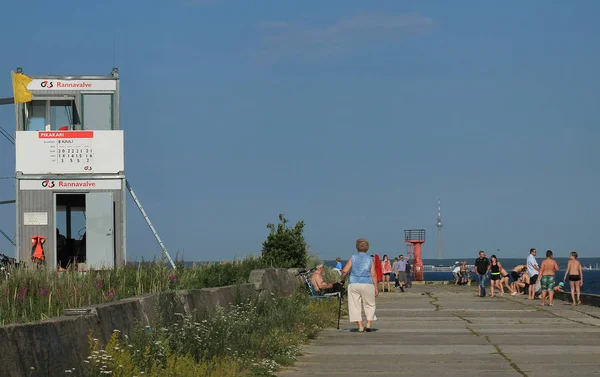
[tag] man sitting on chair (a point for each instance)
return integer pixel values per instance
(320, 285)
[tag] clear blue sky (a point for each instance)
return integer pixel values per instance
(350, 115)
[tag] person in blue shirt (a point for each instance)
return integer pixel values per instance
(338, 265)
(363, 286)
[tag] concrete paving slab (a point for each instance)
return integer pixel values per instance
(443, 331)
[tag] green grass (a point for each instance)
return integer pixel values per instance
(35, 294)
(255, 338)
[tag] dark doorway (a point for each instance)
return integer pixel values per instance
(70, 230)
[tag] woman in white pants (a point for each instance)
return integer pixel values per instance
(363, 285)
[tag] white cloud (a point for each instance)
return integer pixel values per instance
(282, 39)
(195, 3)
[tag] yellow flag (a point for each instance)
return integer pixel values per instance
(20, 92)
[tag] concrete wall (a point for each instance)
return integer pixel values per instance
(586, 299)
(54, 345)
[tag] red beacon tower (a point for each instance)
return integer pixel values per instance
(414, 238)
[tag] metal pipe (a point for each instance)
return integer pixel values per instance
(139, 205)
(8, 238)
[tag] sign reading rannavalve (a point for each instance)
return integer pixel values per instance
(82, 85)
(69, 152)
(70, 184)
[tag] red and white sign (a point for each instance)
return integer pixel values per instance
(70, 185)
(51, 84)
(66, 134)
(70, 152)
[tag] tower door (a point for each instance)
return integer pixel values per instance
(100, 238)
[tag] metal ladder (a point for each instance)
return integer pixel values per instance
(139, 205)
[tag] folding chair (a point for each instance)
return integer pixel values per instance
(315, 294)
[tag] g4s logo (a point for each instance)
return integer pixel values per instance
(48, 183)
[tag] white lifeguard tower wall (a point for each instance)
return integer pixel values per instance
(70, 171)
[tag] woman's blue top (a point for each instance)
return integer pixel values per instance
(360, 273)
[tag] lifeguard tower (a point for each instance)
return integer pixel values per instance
(70, 172)
(414, 238)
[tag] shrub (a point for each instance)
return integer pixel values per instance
(285, 247)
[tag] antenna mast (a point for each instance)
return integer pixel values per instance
(439, 226)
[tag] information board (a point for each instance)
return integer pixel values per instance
(35, 218)
(69, 152)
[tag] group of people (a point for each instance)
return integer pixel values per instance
(401, 269)
(364, 279)
(525, 276)
(462, 274)
(384, 268)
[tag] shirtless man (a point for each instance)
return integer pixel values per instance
(575, 273)
(517, 271)
(320, 285)
(547, 271)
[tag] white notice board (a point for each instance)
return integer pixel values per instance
(69, 152)
(35, 218)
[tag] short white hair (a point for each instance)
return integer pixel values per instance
(319, 266)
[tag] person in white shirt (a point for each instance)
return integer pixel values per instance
(533, 271)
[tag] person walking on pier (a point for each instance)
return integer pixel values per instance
(495, 275)
(386, 268)
(547, 272)
(575, 273)
(363, 285)
(408, 275)
(402, 275)
(533, 271)
(481, 266)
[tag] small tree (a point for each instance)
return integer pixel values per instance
(285, 247)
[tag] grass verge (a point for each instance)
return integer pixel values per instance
(255, 338)
(35, 294)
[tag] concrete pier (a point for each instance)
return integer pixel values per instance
(439, 330)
